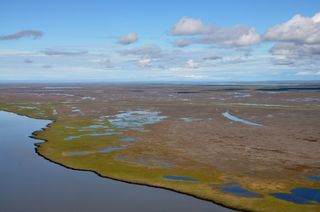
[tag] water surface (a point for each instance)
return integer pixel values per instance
(128, 139)
(236, 119)
(236, 189)
(300, 196)
(180, 178)
(28, 182)
(135, 119)
(312, 177)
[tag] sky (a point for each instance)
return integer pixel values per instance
(159, 41)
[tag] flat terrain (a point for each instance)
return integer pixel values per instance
(242, 146)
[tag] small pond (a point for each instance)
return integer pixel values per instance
(236, 119)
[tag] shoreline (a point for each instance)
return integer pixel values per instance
(34, 136)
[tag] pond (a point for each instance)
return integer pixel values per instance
(236, 119)
(300, 196)
(31, 183)
(135, 119)
(236, 189)
(169, 177)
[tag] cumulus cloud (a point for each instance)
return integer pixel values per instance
(297, 41)
(129, 38)
(245, 36)
(146, 61)
(52, 52)
(183, 42)
(147, 50)
(188, 26)
(286, 53)
(192, 64)
(22, 34)
(231, 36)
(298, 29)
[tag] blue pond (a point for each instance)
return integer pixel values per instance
(235, 188)
(187, 119)
(312, 177)
(180, 178)
(300, 195)
(128, 139)
(93, 127)
(236, 119)
(106, 150)
(92, 134)
(110, 149)
(71, 137)
(77, 153)
(135, 119)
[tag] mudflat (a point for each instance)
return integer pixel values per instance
(248, 147)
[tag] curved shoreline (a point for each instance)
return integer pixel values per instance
(34, 136)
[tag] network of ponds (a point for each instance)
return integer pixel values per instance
(136, 120)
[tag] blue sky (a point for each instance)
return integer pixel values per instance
(226, 40)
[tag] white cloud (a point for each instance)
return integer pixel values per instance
(129, 38)
(294, 49)
(212, 57)
(308, 73)
(145, 61)
(53, 52)
(105, 63)
(233, 59)
(298, 29)
(15, 52)
(192, 64)
(233, 36)
(35, 34)
(188, 26)
(182, 42)
(288, 53)
(146, 50)
(297, 43)
(239, 35)
(194, 76)
(248, 38)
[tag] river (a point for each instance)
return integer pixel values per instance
(28, 182)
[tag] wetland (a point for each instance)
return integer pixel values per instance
(245, 147)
